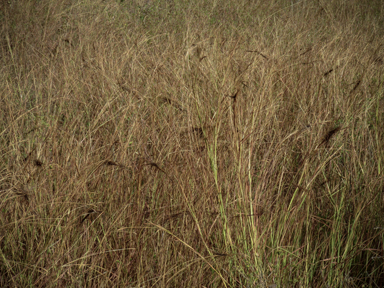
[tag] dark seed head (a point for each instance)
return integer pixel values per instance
(38, 163)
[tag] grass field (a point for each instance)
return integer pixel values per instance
(195, 143)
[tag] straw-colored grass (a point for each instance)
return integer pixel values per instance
(191, 143)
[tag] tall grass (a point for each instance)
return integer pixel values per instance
(191, 144)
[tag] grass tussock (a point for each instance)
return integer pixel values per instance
(191, 144)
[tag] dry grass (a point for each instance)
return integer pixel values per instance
(205, 144)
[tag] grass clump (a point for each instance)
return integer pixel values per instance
(204, 144)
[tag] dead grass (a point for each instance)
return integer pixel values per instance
(205, 144)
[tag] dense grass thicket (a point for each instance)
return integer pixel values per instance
(206, 143)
